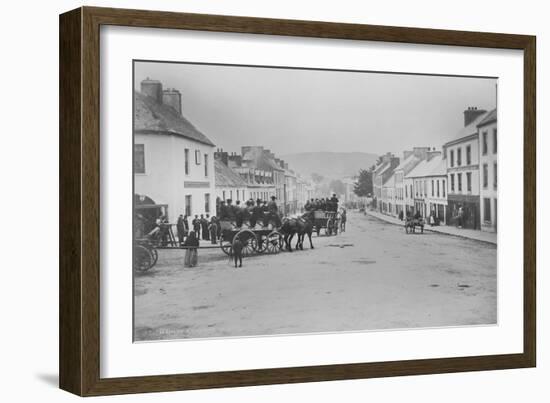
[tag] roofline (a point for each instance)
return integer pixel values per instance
(168, 133)
(462, 139)
(488, 122)
(426, 176)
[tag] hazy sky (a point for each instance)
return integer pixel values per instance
(292, 111)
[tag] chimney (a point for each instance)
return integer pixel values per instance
(387, 157)
(421, 152)
(222, 156)
(432, 154)
(471, 114)
(172, 97)
(152, 88)
(407, 154)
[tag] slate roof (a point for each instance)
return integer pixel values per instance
(437, 166)
(151, 116)
(408, 163)
(226, 177)
(489, 118)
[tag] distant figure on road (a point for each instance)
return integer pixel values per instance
(191, 254)
(204, 228)
(460, 217)
(197, 226)
(343, 219)
(237, 250)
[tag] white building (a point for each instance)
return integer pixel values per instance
(388, 200)
(173, 161)
(403, 198)
(487, 130)
(429, 181)
(461, 154)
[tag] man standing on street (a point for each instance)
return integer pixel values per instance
(204, 228)
(197, 226)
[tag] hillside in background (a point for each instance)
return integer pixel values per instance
(330, 164)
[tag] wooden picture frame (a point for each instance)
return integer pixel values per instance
(79, 348)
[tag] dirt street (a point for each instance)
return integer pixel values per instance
(373, 276)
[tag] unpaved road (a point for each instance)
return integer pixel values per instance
(373, 276)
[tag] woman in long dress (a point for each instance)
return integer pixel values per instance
(191, 255)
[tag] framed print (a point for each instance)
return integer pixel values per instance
(249, 201)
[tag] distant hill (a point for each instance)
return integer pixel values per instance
(330, 164)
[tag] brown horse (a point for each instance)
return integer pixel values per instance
(301, 227)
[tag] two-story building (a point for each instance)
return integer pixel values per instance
(429, 180)
(461, 154)
(229, 184)
(411, 158)
(380, 175)
(173, 161)
(487, 130)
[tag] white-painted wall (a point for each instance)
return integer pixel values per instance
(464, 167)
(488, 194)
(165, 180)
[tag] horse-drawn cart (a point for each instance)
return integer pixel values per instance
(254, 240)
(411, 223)
(327, 220)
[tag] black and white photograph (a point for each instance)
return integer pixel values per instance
(270, 200)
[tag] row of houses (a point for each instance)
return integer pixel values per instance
(462, 176)
(258, 174)
(179, 170)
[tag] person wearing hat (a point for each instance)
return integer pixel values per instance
(197, 226)
(256, 213)
(273, 211)
(231, 213)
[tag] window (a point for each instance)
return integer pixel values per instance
(484, 142)
(207, 202)
(438, 188)
(452, 158)
(425, 188)
(485, 175)
(494, 141)
(443, 187)
(468, 155)
(206, 165)
(452, 182)
(459, 182)
(406, 192)
(411, 193)
(139, 159)
(486, 210)
(186, 157)
(223, 195)
(231, 194)
(188, 209)
(469, 181)
(459, 156)
(432, 188)
(495, 172)
(197, 157)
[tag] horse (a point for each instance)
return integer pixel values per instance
(412, 223)
(300, 226)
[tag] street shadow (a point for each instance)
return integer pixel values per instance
(49, 379)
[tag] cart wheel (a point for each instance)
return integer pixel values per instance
(274, 242)
(249, 240)
(226, 246)
(143, 259)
